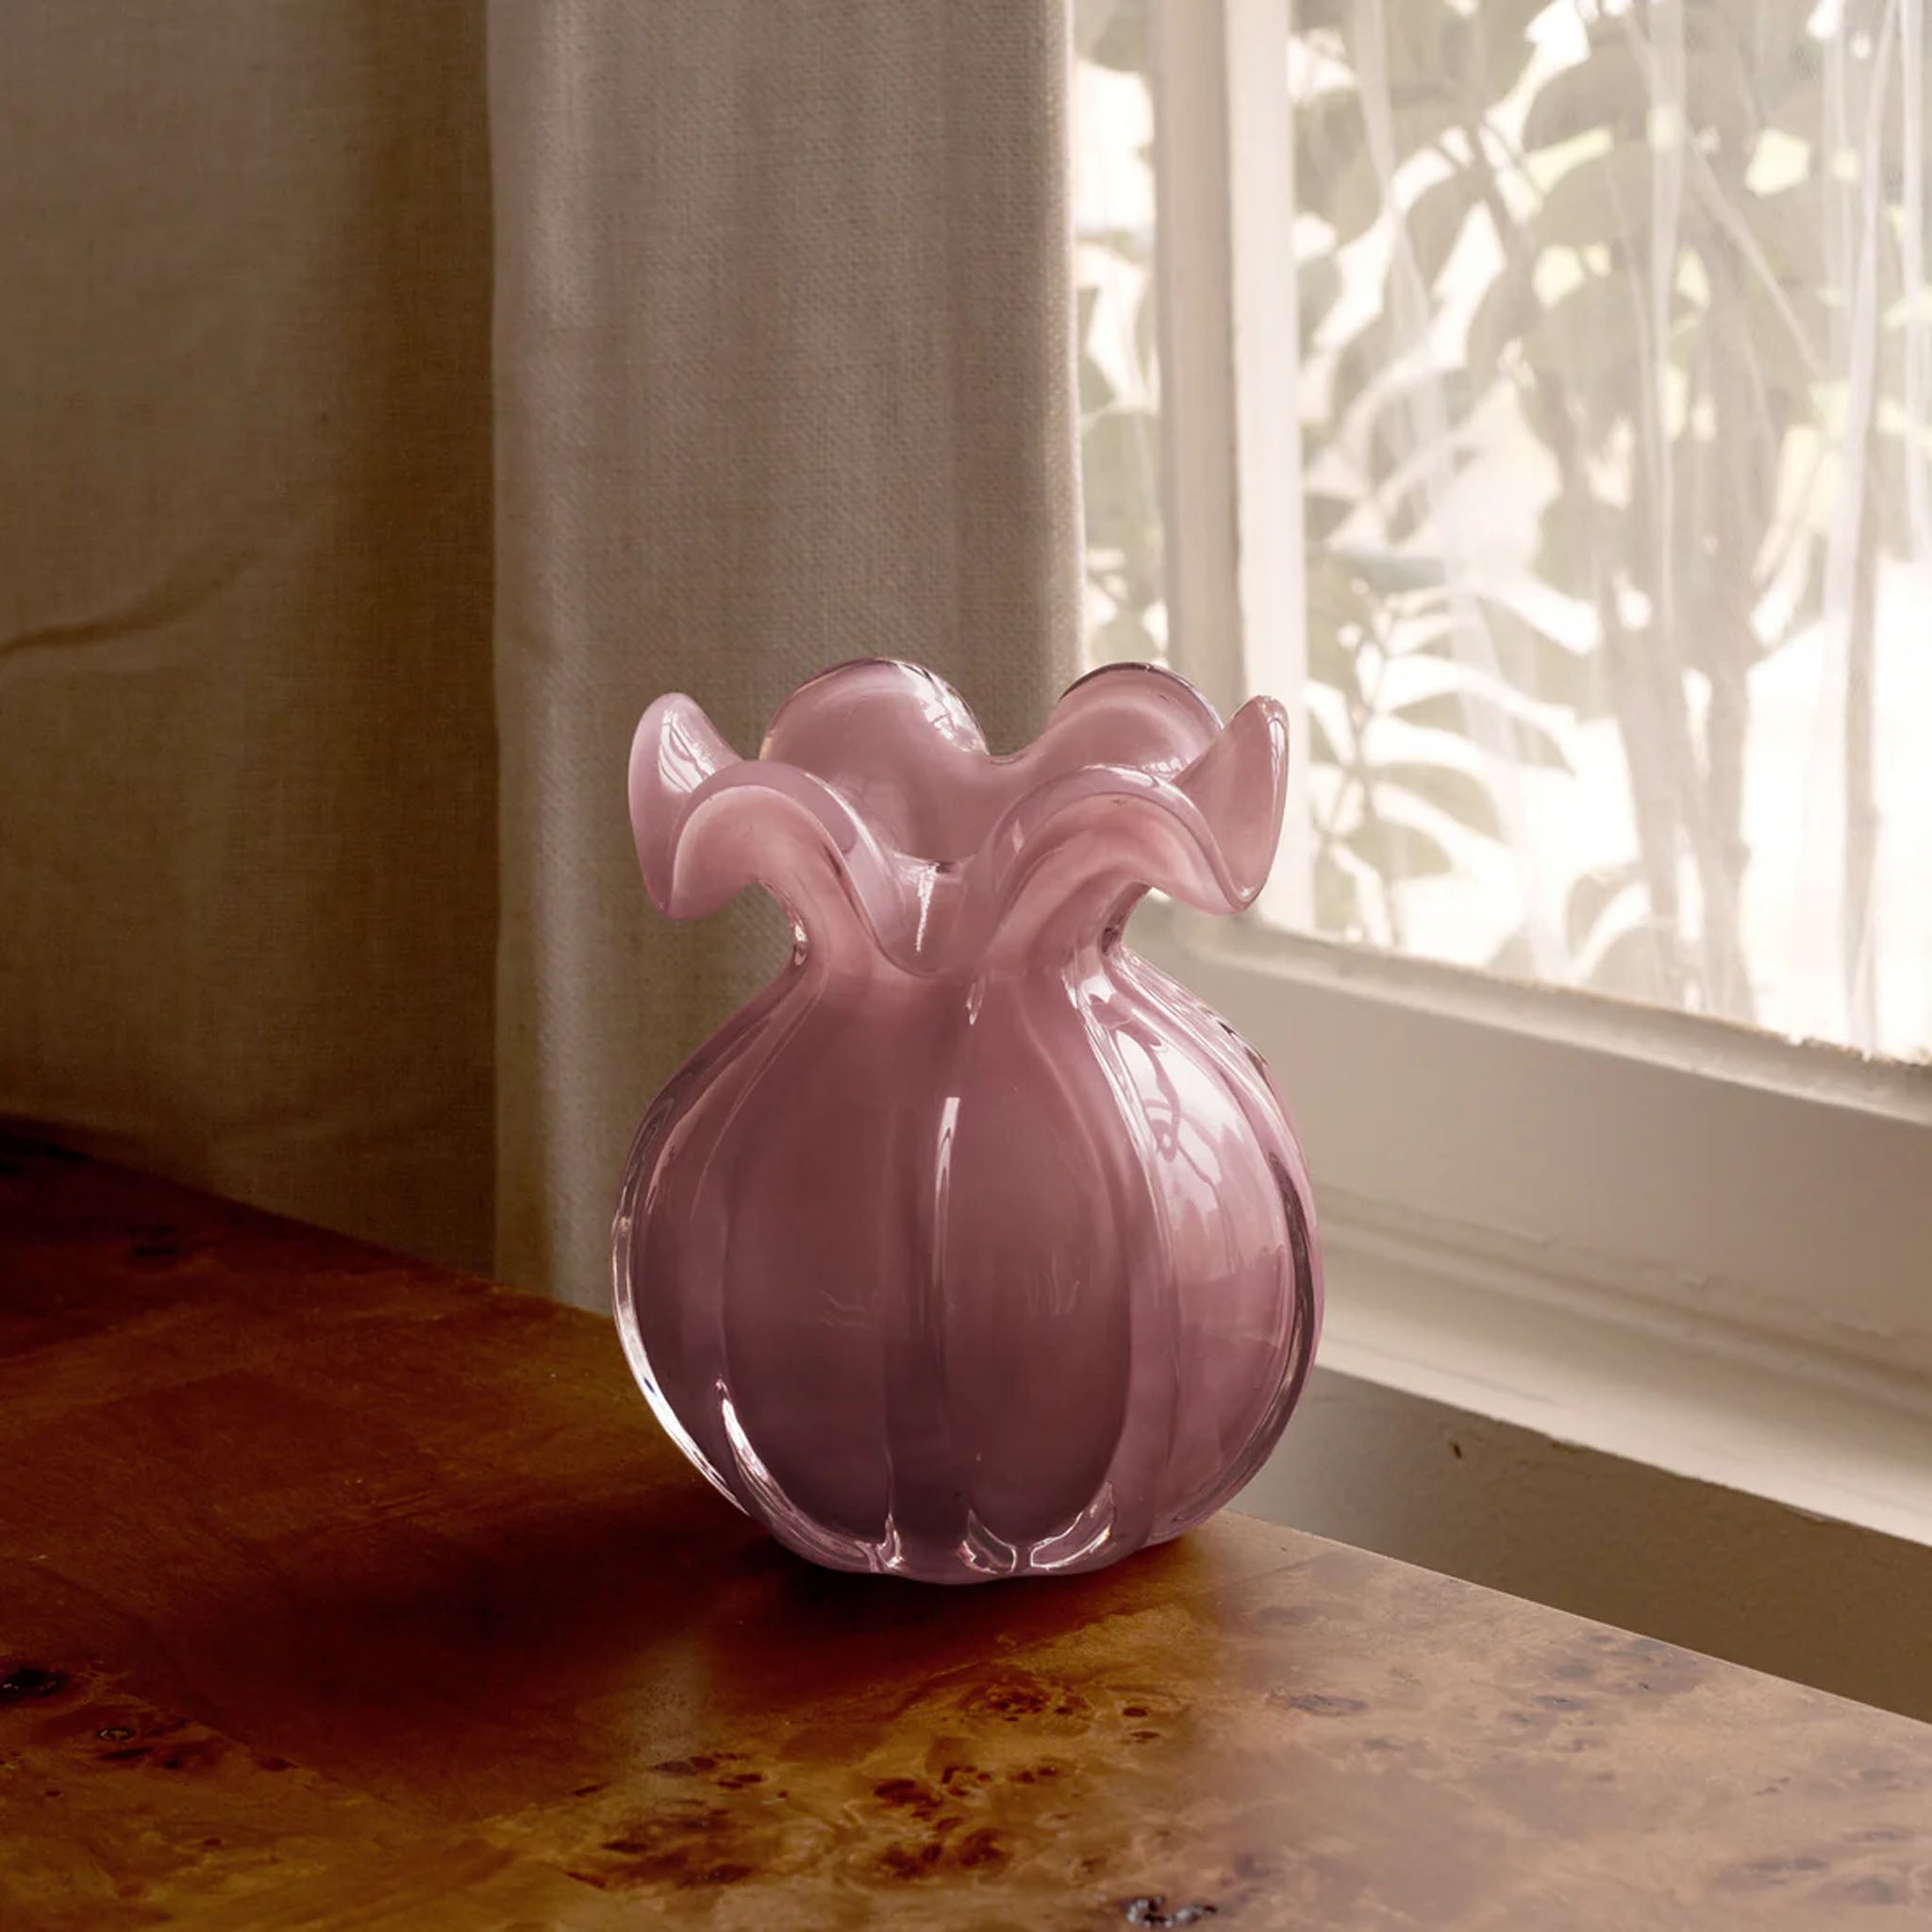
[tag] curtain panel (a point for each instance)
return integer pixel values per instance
(393, 398)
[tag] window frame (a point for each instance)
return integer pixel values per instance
(1720, 1209)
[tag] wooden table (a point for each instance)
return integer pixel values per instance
(337, 1590)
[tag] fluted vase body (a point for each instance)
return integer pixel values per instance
(975, 1246)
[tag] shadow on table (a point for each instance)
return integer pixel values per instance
(494, 1665)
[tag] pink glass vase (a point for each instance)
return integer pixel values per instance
(974, 1246)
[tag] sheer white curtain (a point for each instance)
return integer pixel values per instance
(1615, 343)
(1619, 419)
(315, 884)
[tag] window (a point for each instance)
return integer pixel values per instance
(1537, 394)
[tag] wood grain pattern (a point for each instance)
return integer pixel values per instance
(336, 1591)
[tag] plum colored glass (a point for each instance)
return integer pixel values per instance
(974, 1246)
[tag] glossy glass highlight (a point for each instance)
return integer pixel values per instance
(974, 1246)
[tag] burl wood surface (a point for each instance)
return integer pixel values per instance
(339, 1591)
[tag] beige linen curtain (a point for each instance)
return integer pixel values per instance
(315, 884)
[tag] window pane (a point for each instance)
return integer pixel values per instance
(1113, 223)
(1616, 380)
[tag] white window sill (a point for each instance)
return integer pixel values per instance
(1685, 1244)
(1488, 1334)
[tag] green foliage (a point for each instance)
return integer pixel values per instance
(1428, 155)
(1120, 428)
(1561, 185)
(1112, 33)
